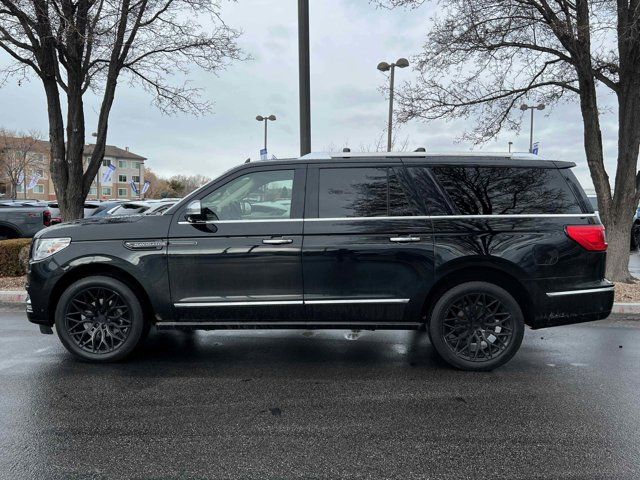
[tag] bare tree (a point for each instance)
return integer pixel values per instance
(20, 154)
(482, 58)
(74, 46)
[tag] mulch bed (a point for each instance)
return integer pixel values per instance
(12, 283)
(628, 292)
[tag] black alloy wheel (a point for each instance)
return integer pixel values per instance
(100, 319)
(476, 326)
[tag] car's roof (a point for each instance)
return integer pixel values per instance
(517, 159)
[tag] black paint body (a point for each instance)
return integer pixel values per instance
(335, 272)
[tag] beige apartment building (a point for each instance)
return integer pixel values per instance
(119, 168)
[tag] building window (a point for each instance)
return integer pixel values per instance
(38, 189)
(122, 178)
(93, 191)
(106, 191)
(20, 188)
(122, 192)
(106, 163)
(40, 173)
(123, 164)
(135, 178)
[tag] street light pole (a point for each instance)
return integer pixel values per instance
(384, 67)
(265, 119)
(524, 107)
(304, 77)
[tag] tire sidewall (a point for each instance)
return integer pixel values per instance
(435, 327)
(137, 319)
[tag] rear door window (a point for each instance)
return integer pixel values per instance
(507, 190)
(365, 192)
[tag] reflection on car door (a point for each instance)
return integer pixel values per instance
(245, 263)
(368, 246)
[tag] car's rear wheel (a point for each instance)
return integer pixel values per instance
(99, 319)
(476, 326)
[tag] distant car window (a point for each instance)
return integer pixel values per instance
(256, 195)
(507, 190)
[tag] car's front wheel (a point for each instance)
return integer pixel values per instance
(476, 326)
(99, 319)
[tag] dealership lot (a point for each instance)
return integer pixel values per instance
(274, 404)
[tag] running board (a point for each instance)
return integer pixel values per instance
(224, 325)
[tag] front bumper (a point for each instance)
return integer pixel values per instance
(565, 307)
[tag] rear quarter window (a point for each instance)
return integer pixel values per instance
(507, 190)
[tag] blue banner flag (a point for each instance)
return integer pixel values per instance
(134, 187)
(146, 186)
(106, 177)
(534, 150)
(263, 154)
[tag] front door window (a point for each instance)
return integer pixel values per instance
(255, 196)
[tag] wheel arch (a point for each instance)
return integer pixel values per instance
(504, 276)
(7, 227)
(103, 270)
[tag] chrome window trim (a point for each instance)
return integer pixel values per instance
(406, 217)
(457, 217)
(579, 292)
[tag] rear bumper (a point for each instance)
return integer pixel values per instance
(564, 307)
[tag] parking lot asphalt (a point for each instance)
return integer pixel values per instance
(296, 404)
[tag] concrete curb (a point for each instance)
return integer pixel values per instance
(625, 308)
(19, 296)
(13, 296)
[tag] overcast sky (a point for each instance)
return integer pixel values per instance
(348, 39)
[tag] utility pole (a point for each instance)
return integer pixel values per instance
(304, 77)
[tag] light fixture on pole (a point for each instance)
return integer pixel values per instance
(524, 107)
(510, 145)
(265, 119)
(385, 67)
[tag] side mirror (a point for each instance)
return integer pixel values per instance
(193, 213)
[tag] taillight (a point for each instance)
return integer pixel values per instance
(591, 237)
(46, 218)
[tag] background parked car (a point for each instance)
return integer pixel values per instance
(105, 207)
(147, 207)
(22, 218)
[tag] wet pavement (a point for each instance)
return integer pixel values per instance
(294, 404)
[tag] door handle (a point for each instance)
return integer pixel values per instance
(404, 239)
(277, 241)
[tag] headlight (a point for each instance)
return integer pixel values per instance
(45, 247)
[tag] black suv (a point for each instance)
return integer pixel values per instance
(469, 247)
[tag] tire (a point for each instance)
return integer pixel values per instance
(476, 326)
(99, 319)
(7, 233)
